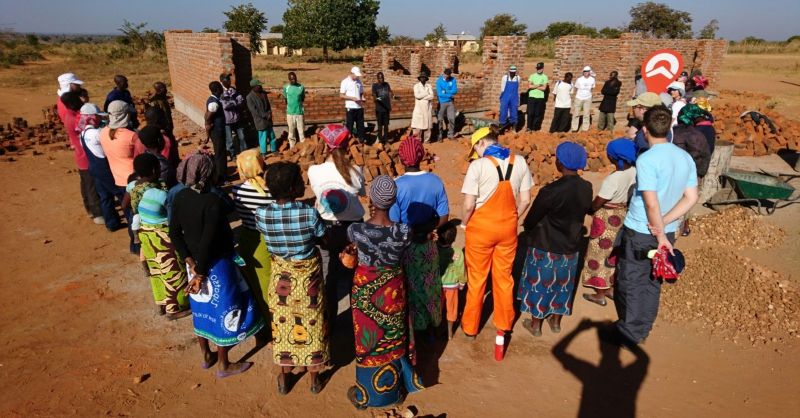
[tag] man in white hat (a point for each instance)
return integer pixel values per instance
(352, 91)
(582, 105)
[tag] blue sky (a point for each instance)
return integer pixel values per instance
(768, 19)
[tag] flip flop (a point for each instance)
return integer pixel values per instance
(528, 325)
(221, 374)
(593, 300)
(207, 365)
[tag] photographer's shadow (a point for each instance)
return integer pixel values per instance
(609, 389)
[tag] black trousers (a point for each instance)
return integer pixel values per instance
(91, 201)
(561, 120)
(536, 109)
(382, 118)
(354, 121)
(220, 155)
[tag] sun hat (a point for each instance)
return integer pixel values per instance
(512, 68)
(91, 109)
(356, 71)
(587, 68)
(475, 138)
(118, 112)
(646, 99)
(64, 80)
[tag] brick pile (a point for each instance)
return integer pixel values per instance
(19, 135)
(749, 138)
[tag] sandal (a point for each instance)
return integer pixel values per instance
(221, 374)
(528, 325)
(589, 297)
(554, 328)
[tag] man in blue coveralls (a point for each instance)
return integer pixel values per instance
(509, 97)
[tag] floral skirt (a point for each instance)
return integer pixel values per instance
(167, 275)
(600, 268)
(421, 265)
(382, 386)
(548, 280)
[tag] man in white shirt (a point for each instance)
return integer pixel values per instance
(582, 105)
(352, 91)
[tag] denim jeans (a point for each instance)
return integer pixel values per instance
(229, 145)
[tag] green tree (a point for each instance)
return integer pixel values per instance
(277, 29)
(503, 24)
(209, 30)
(660, 21)
(139, 40)
(439, 33)
(752, 40)
(709, 31)
(558, 29)
(384, 36)
(403, 40)
(610, 33)
(247, 19)
(331, 24)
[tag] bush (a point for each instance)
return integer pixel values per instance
(759, 46)
(18, 55)
(544, 48)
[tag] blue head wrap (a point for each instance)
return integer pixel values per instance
(623, 150)
(571, 155)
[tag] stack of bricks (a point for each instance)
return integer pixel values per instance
(196, 59)
(625, 55)
(499, 53)
(402, 64)
(19, 135)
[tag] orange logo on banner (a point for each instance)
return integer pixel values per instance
(661, 68)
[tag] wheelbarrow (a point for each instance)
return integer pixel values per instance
(478, 123)
(765, 190)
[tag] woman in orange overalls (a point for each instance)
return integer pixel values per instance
(491, 188)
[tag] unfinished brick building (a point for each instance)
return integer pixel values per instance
(195, 59)
(625, 55)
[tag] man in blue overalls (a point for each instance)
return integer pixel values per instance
(509, 97)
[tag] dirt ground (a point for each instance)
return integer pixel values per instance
(81, 329)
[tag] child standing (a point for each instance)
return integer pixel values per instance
(453, 272)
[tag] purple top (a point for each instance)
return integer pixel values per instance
(231, 103)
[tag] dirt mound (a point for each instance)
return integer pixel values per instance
(738, 228)
(733, 297)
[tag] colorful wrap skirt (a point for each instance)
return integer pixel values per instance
(421, 266)
(548, 280)
(256, 269)
(167, 274)
(384, 349)
(296, 300)
(601, 264)
(224, 310)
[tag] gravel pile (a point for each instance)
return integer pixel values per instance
(737, 227)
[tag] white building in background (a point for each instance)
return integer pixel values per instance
(271, 45)
(464, 41)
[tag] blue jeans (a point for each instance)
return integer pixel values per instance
(229, 139)
(108, 193)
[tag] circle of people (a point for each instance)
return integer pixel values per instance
(400, 265)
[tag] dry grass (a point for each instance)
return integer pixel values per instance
(775, 75)
(747, 47)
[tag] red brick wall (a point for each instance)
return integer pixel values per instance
(499, 53)
(625, 55)
(196, 59)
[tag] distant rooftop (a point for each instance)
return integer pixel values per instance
(266, 35)
(463, 36)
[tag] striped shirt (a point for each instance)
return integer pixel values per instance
(290, 230)
(247, 199)
(152, 207)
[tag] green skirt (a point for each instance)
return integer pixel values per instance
(257, 268)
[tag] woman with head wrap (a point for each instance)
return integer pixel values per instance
(609, 208)
(422, 204)
(89, 126)
(383, 344)
(247, 197)
(553, 228)
(224, 310)
(337, 184)
(295, 294)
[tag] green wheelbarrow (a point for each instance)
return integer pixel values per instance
(478, 123)
(765, 190)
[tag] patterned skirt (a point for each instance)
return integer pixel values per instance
(421, 265)
(600, 268)
(296, 300)
(547, 283)
(167, 275)
(257, 269)
(382, 344)
(224, 311)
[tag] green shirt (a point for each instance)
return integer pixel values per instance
(537, 78)
(294, 94)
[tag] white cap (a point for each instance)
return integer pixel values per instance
(356, 71)
(587, 68)
(91, 109)
(68, 78)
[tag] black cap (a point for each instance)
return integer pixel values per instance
(677, 261)
(684, 74)
(539, 65)
(448, 71)
(224, 76)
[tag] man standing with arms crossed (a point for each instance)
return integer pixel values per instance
(582, 105)
(666, 188)
(537, 99)
(295, 94)
(446, 88)
(352, 91)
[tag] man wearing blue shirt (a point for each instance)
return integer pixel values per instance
(666, 188)
(446, 88)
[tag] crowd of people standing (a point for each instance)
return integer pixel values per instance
(287, 262)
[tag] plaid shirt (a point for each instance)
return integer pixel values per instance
(290, 229)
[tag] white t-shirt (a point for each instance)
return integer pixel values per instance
(616, 185)
(352, 88)
(562, 93)
(584, 87)
(91, 136)
(482, 180)
(324, 177)
(676, 109)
